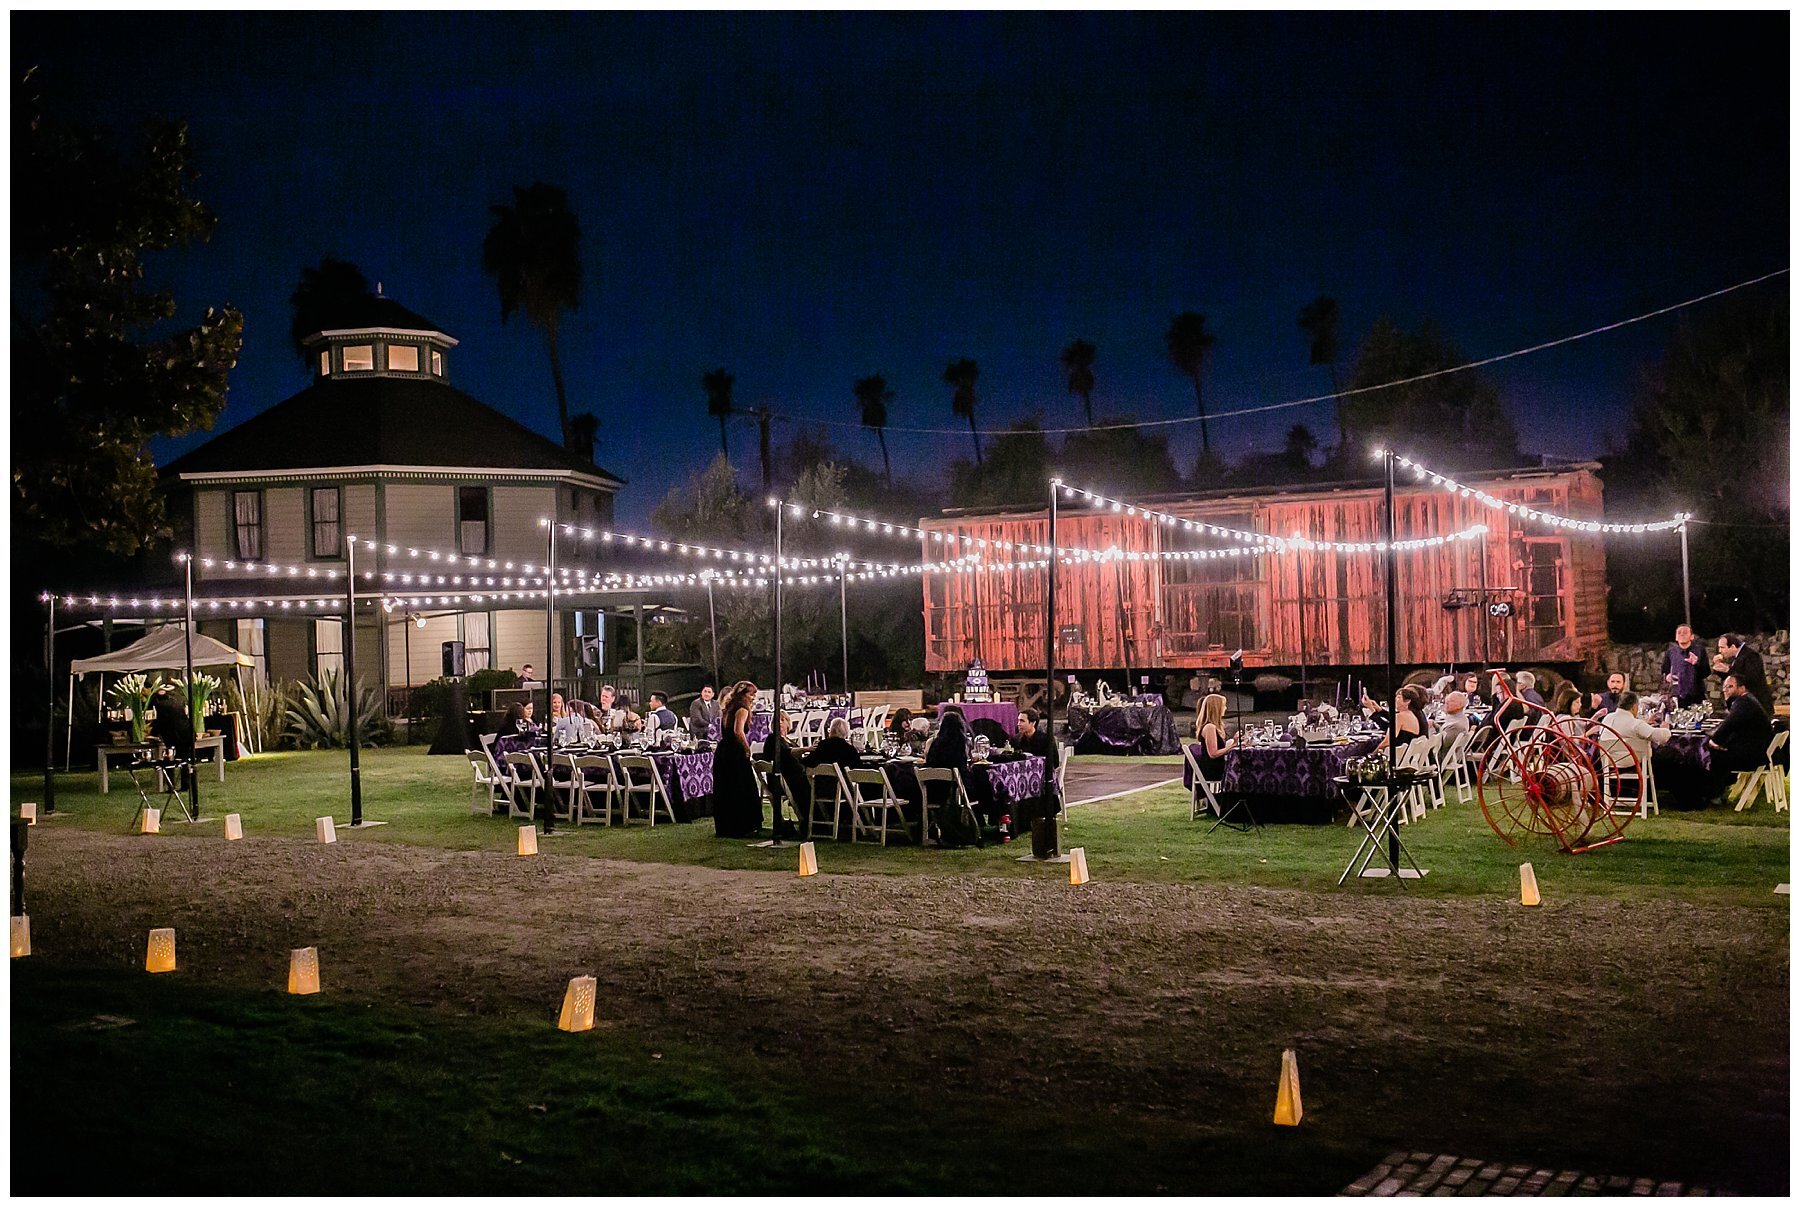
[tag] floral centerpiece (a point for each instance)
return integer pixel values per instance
(200, 692)
(131, 695)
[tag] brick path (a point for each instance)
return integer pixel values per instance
(1405, 1173)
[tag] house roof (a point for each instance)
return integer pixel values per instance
(354, 314)
(408, 422)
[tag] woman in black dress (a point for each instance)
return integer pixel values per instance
(737, 800)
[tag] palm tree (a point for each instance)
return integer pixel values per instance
(533, 252)
(717, 385)
(1190, 343)
(320, 298)
(1319, 319)
(872, 395)
(961, 375)
(1078, 360)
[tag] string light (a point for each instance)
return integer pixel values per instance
(1422, 473)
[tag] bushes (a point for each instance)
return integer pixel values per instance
(433, 698)
(318, 715)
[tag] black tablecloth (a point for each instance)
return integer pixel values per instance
(1136, 729)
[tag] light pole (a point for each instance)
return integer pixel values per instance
(843, 569)
(1050, 622)
(350, 701)
(187, 643)
(550, 679)
(50, 712)
(1687, 602)
(712, 626)
(776, 504)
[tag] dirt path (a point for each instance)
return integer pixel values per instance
(1604, 1035)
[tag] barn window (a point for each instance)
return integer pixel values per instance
(1541, 574)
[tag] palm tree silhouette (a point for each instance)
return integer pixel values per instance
(1190, 343)
(960, 375)
(1319, 319)
(533, 252)
(1078, 360)
(872, 395)
(717, 385)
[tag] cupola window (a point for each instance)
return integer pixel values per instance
(403, 358)
(359, 356)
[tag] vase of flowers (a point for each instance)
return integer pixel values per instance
(200, 690)
(131, 695)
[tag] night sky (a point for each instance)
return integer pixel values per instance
(806, 200)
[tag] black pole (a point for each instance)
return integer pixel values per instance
(777, 607)
(1687, 599)
(1392, 575)
(50, 713)
(1300, 595)
(195, 723)
(637, 619)
(352, 706)
(1483, 616)
(844, 619)
(406, 652)
(1050, 626)
(550, 680)
(712, 628)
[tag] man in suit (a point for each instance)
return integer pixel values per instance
(703, 713)
(1681, 668)
(1034, 738)
(660, 710)
(1741, 742)
(1739, 661)
(1608, 701)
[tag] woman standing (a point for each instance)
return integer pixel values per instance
(737, 800)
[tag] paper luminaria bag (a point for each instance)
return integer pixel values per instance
(21, 935)
(234, 827)
(159, 954)
(809, 860)
(1078, 872)
(326, 828)
(578, 1005)
(303, 970)
(28, 813)
(1528, 886)
(1287, 1097)
(152, 823)
(528, 840)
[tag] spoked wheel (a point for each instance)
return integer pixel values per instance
(1582, 790)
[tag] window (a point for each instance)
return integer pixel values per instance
(327, 503)
(477, 647)
(359, 356)
(325, 363)
(253, 639)
(403, 358)
(328, 647)
(247, 524)
(437, 363)
(472, 519)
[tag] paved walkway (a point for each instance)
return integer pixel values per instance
(1096, 779)
(1442, 1174)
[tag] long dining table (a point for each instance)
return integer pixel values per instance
(687, 776)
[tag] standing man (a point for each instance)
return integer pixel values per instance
(703, 713)
(1681, 668)
(1744, 664)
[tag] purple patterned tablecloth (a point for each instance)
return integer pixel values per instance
(1689, 748)
(1287, 770)
(1138, 729)
(1005, 714)
(688, 777)
(993, 784)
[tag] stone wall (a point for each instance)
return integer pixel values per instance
(1642, 664)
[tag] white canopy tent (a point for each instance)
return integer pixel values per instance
(162, 649)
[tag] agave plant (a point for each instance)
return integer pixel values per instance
(318, 714)
(132, 693)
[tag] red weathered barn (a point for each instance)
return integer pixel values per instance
(1322, 609)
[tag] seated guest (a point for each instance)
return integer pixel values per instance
(1737, 659)
(1637, 733)
(1567, 701)
(835, 748)
(527, 677)
(899, 721)
(779, 753)
(1472, 689)
(518, 719)
(951, 746)
(1741, 742)
(1456, 720)
(660, 712)
(1034, 738)
(1528, 689)
(1409, 717)
(1209, 728)
(1608, 700)
(703, 712)
(917, 736)
(572, 728)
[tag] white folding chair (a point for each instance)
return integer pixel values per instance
(877, 718)
(812, 727)
(1453, 767)
(1766, 779)
(779, 792)
(524, 779)
(1062, 776)
(482, 765)
(594, 778)
(828, 791)
(869, 814)
(1203, 788)
(650, 786)
(956, 793)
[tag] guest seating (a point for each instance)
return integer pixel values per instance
(956, 794)
(1203, 788)
(870, 813)
(1768, 779)
(593, 778)
(487, 780)
(524, 781)
(828, 791)
(642, 779)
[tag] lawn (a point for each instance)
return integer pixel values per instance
(1145, 837)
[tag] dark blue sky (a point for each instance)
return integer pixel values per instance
(809, 199)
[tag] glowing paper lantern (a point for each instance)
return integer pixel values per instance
(234, 827)
(809, 860)
(327, 829)
(303, 970)
(1287, 1097)
(159, 956)
(578, 1005)
(1528, 889)
(28, 813)
(21, 936)
(152, 822)
(527, 840)
(1078, 873)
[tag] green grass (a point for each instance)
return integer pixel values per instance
(1147, 836)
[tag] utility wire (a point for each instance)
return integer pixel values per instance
(1298, 402)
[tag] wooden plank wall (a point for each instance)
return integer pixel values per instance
(1157, 613)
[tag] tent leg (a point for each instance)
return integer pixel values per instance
(69, 736)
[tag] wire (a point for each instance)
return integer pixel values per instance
(1301, 402)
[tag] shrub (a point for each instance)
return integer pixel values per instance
(318, 715)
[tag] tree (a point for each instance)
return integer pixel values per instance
(96, 373)
(872, 396)
(1457, 421)
(1078, 363)
(960, 375)
(1319, 319)
(1190, 343)
(533, 252)
(1301, 445)
(1128, 461)
(321, 298)
(717, 385)
(1017, 470)
(1292, 464)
